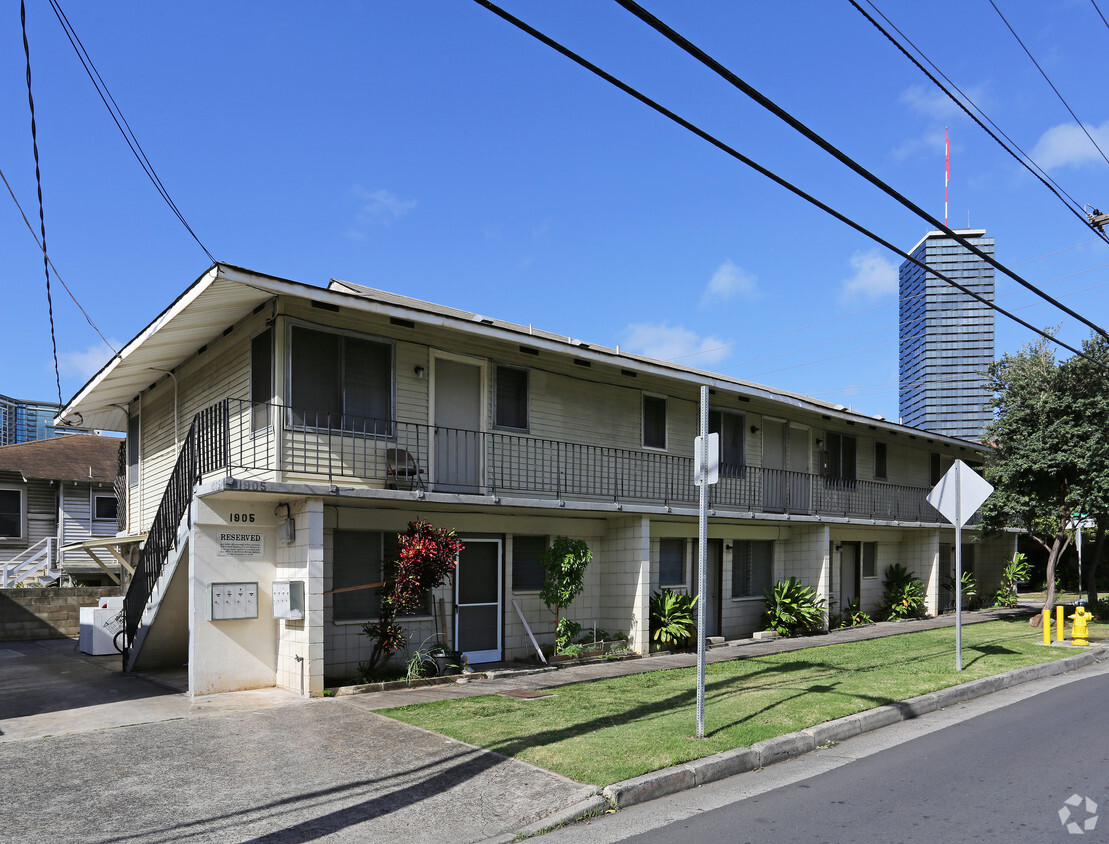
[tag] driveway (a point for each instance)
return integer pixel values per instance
(94, 755)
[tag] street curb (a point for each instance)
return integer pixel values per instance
(588, 808)
(791, 745)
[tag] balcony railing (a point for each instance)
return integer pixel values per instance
(268, 438)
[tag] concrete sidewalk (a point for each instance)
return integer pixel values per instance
(128, 758)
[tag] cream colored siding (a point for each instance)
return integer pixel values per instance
(221, 371)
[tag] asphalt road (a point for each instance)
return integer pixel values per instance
(997, 769)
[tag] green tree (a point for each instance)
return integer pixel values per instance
(1087, 384)
(1049, 456)
(564, 562)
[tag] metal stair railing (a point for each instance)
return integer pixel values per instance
(204, 451)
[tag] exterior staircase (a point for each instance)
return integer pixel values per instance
(154, 596)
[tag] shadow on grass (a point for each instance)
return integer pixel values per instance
(789, 675)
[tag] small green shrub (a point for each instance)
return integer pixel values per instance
(904, 595)
(971, 599)
(1016, 571)
(672, 622)
(793, 608)
(852, 616)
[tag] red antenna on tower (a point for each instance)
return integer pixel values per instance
(946, 171)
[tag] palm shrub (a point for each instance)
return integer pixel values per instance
(904, 595)
(971, 599)
(853, 616)
(1016, 571)
(793, 608)
(672, 624)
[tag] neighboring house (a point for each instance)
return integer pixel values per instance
(281, 432)
(53, 493)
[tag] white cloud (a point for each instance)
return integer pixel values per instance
(87, 363)
(1066, 145)
(727, 282)
(929, 144)
(670, 342)
(933, 103)
(874, 278)
(378, 208)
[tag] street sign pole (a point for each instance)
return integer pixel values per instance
(958, 569)
(958, 496)
(702, 551)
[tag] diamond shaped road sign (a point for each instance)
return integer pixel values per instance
(959, 493)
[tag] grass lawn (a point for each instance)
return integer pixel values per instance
(606, 731)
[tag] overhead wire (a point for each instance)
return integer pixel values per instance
(38, 184)
(1047, 79)
(1099, 14)
(57, 275)
(729, 76)
(734, 153)
(121, 122)
(1024, 159)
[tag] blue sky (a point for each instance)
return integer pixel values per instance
(430, 149)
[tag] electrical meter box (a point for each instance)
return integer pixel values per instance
(234, 600)
(288, 599)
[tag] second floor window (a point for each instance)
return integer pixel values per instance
(654, 422)
(340, 381)
(730, 428)
(880, 461)
(261, 379)
(839, 458)
(511, 398)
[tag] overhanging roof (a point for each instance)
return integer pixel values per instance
(200, 314)
(225, 294)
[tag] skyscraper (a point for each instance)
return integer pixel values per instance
(24, 421)
(946, 336)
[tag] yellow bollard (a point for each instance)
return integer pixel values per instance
(1047, 627)
(1060, 633)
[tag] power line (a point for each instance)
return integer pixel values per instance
(726, 74)
(120, 121)
(774, 177)
(1100, 15)
(1049, 82)
(57, 275)
(38, 184)
(734, 153)
(1027, 162)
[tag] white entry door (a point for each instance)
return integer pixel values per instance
(457, 440)
(477, 601)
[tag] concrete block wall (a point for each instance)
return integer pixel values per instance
(46, 613)
(919, 553)
(626, 579)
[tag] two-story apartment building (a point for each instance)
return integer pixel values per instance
(281, 432)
